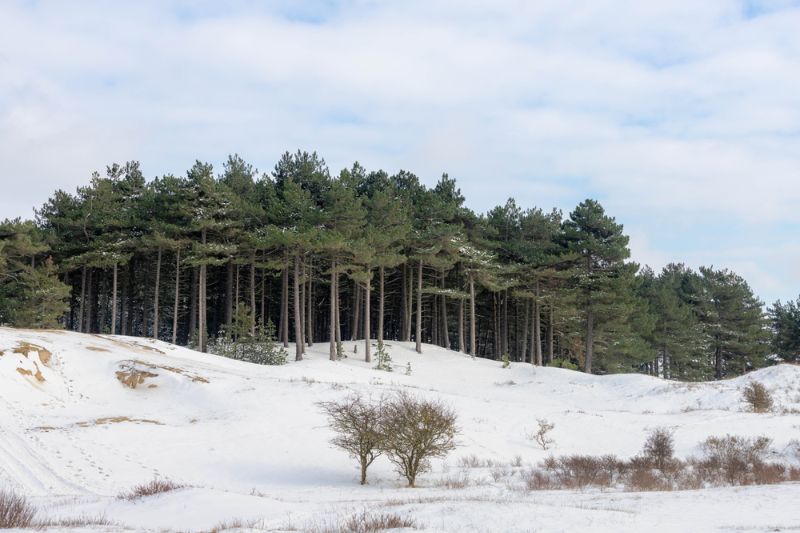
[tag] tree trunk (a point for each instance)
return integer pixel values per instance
(367, 291)
(193, 303)
(550, 333)
(445, 337)
(419, 309)
(461, 347)
(201, 322)
(380, 305)
(408, 283)
(298, 303)
(589, 339)
(505, 323)
(338, 311)
(229, 297)
(90, 302)
(310, 310)
(525, 328)
(302, 304)
(253, 294)
(82, 311)
(114, 303)
(332, 347)
(177, 296)
(285, 307)
(718, 361)
(155, 295)
(356, 315)
(537, 327)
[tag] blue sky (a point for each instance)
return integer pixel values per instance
(681, 117)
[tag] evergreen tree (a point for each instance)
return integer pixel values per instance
(785, 321)
(597, 240)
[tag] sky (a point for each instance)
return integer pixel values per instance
(681, 117)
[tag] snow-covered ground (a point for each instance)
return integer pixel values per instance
(251, 444)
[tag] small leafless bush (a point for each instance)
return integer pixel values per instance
(757, 397)
(516, 462)
(414, 430)
(536, 479)
(659, 448)
(470, 461)
(15, 511)
(542, 434)
(640, 474)
(731, 460)
(156, 486)
(453, 482)
(357, 424)
(580, 471)
(365, 522)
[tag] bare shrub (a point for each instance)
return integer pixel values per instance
(365, 522)
(73, 522)
(15, 511)
(470, 461)
(580, 471)
(542, 434)
(732, 459)
(357, 425)
(414, 430)
(757, 397)
(640, 474)
(156, 486)
(659, 448)
(536, 479)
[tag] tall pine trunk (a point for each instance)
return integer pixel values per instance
(525, 332)
(203, 317)
(367, 290)
(114, 303)
(82, 311)
(356, 316)
(461, 346)
(156, 295)
(445, 336)
(229, 297)
(310, 310)
(419, 308)
(380, 304)
(589, 339)
(285, 307)
(537, 327)
(177, 296)
(332, 347)
(550, 334)
(193, 303)
(298, 302)
(253, 294)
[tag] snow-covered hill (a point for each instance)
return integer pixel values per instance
(85, 417)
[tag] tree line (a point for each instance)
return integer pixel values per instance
(368, 255)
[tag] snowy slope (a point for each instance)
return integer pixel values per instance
(251, 443)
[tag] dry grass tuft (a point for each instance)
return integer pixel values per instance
(365, 522)
(156, 486)
(15, 511)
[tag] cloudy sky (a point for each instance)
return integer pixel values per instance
(681, 117)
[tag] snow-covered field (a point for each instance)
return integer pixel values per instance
(251, 444)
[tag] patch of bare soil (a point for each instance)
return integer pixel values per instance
(96, 349)
(24, 348)
(130, 375)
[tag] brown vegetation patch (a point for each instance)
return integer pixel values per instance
(24, 348)
(157, 486)
(117, 420)
(96, 349)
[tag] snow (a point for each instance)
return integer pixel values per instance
(250, 443)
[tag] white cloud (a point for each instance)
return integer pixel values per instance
(685, 110)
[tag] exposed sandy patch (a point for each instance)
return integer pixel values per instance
(131, 376)
(24, 348)
(96, 349)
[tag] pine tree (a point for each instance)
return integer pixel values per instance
(601, 246)
(785, 322)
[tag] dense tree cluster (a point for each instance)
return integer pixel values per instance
(368, 255)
